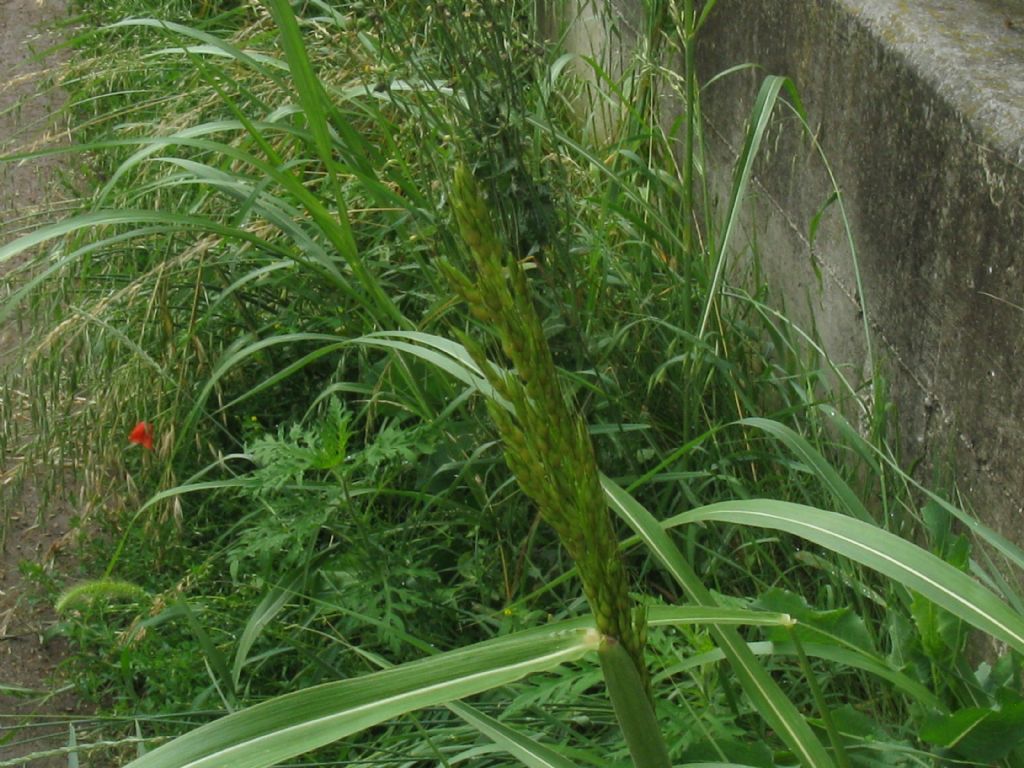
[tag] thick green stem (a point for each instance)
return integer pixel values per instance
(633, 708)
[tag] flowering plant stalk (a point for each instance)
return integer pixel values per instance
(548, 449)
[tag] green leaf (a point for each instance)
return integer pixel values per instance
(942, 635)
(760, 115)
(298, 722)
(841, 492)
(661, 615)
(869, 545)
(837, 655)
(161, 221)
(212, 42)
(529, 752)
(1011, 551)
(769, 700)
(449, 356)
(316, 106)
(979, 735)
(265, 612)
(841, 626)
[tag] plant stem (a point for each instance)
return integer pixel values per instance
(819, 700)
(633, 707)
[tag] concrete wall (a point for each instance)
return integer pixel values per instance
(919, 108)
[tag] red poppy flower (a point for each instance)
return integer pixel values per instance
(142, 435)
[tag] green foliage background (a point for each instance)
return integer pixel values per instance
(324, 498)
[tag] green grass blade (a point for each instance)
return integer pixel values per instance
(855, 659)
(280, 375)
(245, 348)
(220, 52)
(529, 752)
(214, 658)
(1011, 551)
(843, 494)
(869, 545)
(307, 84)
(448, 356)
(264, 613)
(163, 221)
(667, 615)
(759, 118)
(316, 105)
(111, 218)
(296, 723)
(279, 212)
(769, 700)
(223, 47)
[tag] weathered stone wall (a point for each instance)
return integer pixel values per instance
(918, 106)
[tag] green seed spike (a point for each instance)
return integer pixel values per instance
(546, 444)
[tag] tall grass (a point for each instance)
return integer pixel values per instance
(328, 535)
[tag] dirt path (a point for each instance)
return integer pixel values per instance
(28, 722)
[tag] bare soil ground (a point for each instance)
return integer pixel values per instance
(34, 538)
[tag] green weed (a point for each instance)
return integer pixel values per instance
(330, 526)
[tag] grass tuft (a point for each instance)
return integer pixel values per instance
(273, 266)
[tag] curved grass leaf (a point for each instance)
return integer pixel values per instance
(225, 48)
(662, 615)
(449, 356)
(842, 492)
(1011, 551)
(194, 485)
(267, 610)
(769, 700)
(259, 619)
(828, 652)
(869, 545)
(219, 51)
(760, 115)
(298, 722)
(162, 221)
(529, 752)
(317, 106)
